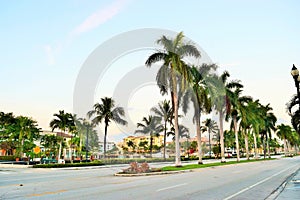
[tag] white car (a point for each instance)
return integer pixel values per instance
(211, 154)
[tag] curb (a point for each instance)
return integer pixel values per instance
(152, 173)
(14, 166)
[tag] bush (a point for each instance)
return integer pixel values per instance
(130, 160)
(83, 164)
(8, 158)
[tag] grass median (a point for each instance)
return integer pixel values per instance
(197, 166)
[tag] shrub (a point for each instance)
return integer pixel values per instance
(8, 158)
(69, 165)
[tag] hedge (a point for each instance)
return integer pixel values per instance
(83, 164)
(8, 158)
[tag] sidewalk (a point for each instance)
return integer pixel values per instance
(291, 190)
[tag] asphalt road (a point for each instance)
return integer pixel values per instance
(243, 181)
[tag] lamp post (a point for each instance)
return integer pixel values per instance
(295, 74)
(87, 143)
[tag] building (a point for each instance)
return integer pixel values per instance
(109, 146)
(139, 142)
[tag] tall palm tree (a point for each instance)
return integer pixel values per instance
(107, 111)
(212, 127)
(165, 112)
(151, 126)
(64, 122)
(295, 114)
(174, 50)
(236, 105)
(199, 95)
(221, 104)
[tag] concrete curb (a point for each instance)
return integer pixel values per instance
(14, 166)
(152, 173)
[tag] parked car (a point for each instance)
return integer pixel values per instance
(209, 154)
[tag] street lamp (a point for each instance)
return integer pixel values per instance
(295, 74)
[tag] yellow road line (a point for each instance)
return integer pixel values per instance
(45, 193)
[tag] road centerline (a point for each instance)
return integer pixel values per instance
(171, 187)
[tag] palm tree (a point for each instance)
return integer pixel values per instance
(150, 126)
(221, 104)
(199, 95)
(108, 112)
(26, 128)
(165, 112)
(167, 78)
(183, 132)
(283, 132)
(64, 122)
(212, 127)
(295, 115)
(235, 111)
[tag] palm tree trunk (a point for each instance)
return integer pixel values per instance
(165, 139)
(237, 146)
(151, 144)
(268, 146)
(246, 145)
(175, 102)
(255, 145)
(264, 145)
(209, 143)
(105, 134)
(59, 150)
(199, 139)
(222, 137)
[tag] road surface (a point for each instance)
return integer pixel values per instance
(242, 181)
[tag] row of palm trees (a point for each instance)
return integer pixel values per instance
(207, 91)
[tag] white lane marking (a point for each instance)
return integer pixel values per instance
(174, 186)
(4, 173)
(251, 186)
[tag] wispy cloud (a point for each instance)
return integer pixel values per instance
(100, 16)
(50, 54)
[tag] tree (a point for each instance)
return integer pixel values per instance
(236, 106)
(283, 132)
(199, 95)
(107, 111)
(167, 78)
(151, 126)
(26, 129)
(65, 123)
(212, 127)
(221, 104)
(165, 112)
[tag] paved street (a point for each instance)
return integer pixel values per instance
(243, 181)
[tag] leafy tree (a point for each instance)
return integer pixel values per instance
(174, 50)
(107, 111)
(151, 126)
(26, 130)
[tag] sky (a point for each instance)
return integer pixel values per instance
(44, 45)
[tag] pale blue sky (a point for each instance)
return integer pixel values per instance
(44, 44)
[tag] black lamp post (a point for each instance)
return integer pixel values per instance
(295, 74)
(87, 143)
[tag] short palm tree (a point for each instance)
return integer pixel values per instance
(151, 126)
(64, 122)
(165, 112)
(283, 132)
(174, 50)
(107, 111)
(212, 128)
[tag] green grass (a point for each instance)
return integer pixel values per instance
(196, 166)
